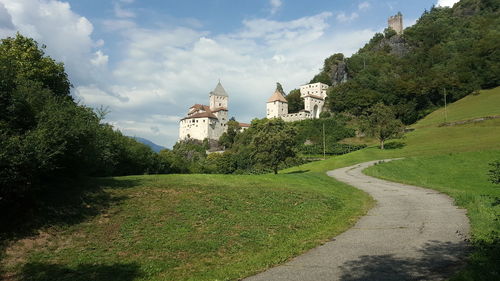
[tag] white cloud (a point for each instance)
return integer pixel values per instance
(117, 24)
(162, 70)
(122, 13)
(167, 70)
(275, 5)
(67, 34)
(5, 18)
(99, 59)
(345, 18)
(364, 6)
(446, 3)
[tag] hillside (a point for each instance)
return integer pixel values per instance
(206, 227)
(453, 160)
(155, 147)
(447, 49)
(476, 105)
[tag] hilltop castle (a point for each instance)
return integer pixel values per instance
(396, 23)
(210, 121)
(314, 100)
(206, 121)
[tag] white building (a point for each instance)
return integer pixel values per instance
(314, 100)
(206, 122)
(315, 89)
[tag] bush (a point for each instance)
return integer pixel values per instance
(46, 137)
(331, 148)
(494, 173)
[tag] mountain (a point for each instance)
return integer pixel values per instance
(448, 52)
(156, 148)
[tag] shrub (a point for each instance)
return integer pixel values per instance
(494, 173)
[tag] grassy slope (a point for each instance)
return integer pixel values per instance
(193, 227)
(472, 106)
(463, 176)
(452, 160)
(207, 227)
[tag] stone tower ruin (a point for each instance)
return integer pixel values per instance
(396, 23)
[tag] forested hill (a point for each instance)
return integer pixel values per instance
(449, 50)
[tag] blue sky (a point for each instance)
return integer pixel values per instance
(149, 60)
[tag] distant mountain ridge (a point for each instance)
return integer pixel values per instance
(155, 147)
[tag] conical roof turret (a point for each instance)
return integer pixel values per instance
(219, 91)
(277, 96)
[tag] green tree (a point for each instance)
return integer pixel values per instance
(494, 172)
(45, 137)
(273, 143)
(295, 102)
(280, 88)
(228, 138)
(26, 60)
(382, 124)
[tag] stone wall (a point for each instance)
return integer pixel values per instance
(396, 23)
(297, 116)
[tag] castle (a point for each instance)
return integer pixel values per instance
(206, 121)
(396, 23)
(210, 121)
(314, 100)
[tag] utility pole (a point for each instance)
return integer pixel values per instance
(324, 144)
(445, 113)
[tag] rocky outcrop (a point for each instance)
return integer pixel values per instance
(396, 45)
(339, 73)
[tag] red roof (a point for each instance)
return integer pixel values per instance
(244, 125)
(206, 114)
(201, 106)
(277, 96)
(219, 109)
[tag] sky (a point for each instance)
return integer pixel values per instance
(148, 61)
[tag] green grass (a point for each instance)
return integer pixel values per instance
(220, 227)
(194, 227)
(463, 176)
(472, 106)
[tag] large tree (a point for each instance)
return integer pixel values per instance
(382, 124)
(45, 136)
(295, 102)
(228, 138)
(273, 142)
(26, 60)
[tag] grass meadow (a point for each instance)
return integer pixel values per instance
(225, 227)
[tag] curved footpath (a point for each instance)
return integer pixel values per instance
(412, 234)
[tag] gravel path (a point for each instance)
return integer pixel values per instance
(413, 233)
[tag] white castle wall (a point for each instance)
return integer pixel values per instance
(217, 101)
(195, 128)
(276, 109)
(291, 117)
(317, 89)
(314, 106)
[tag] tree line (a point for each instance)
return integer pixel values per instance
(46, 136)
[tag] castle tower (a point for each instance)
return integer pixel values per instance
(396, 23)
(277, 105)
(218, 98)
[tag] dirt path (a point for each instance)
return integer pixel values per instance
(412, 234)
